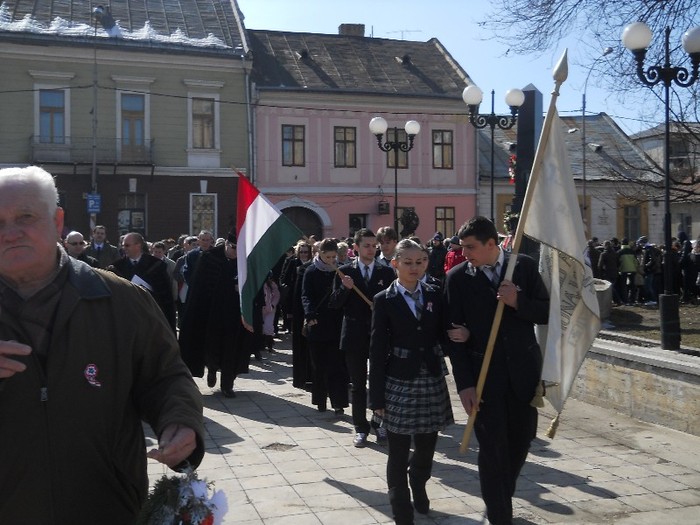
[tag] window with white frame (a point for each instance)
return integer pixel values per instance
(52, 116)
(52, 123)
(203, 123)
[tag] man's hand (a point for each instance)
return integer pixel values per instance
(176, 444)
(458, 334)
(508, 293)
(468, 399)
(379, 412)
(348, 282)
(9, 367)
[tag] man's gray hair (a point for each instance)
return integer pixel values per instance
(38, 176)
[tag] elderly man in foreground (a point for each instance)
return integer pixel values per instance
(85, 356)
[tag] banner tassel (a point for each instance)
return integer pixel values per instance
(553, 427)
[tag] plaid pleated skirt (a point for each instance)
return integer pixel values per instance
(417, 406)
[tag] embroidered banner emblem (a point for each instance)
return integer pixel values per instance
(91, 375)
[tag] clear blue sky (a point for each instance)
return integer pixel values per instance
(454, 23)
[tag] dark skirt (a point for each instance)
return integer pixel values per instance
(417, 406)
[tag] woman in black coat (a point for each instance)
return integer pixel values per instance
(323, 330)
(407, 378)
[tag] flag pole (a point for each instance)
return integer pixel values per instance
(560, 74)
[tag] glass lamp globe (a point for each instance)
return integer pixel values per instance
(691, 41)
(636, 36)
(412, 127)
(472, 95)
(378, 126)
(515, 97)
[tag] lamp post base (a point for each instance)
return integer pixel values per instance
(670, 322)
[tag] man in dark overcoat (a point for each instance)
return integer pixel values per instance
(149, 272)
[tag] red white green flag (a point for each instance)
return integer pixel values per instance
(263, 235)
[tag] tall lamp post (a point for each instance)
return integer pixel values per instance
(378, 127)
(636, 37)
(472, 97)
(605, 53)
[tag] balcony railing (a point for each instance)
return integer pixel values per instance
(78, 150)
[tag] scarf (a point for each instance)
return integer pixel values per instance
(318, 263)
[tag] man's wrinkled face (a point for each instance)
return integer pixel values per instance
(28, 232)
(205, 241)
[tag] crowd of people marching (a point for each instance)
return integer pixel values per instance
(371, 320)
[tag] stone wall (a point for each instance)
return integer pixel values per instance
(654, 385)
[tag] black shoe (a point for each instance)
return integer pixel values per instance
(420, 498)
(228, 392)
(339, 411)
(211, 378)
(257, 355)
(322, 408)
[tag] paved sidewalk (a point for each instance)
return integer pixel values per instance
(280, 461)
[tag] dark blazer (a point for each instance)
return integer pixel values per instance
(400, 343)
(108, 254)
(155, 273)
(317, 287)
(357, 314)
(471, 301)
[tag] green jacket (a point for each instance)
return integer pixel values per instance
(72, 448)
(627, 260)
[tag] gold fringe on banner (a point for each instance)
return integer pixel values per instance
(552, 430)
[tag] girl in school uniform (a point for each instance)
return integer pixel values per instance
(407, 378)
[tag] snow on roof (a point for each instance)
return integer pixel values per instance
(61, 27)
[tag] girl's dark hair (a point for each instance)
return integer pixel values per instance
(328, 245)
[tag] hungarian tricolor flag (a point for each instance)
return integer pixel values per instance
(263, 235)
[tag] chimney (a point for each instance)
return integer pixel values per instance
(351, 29)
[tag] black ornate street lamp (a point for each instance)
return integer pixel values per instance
(378, 127)
(472, 97)
(636, 37)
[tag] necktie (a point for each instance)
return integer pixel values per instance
(416, 299)
(98, 250)
(495, 274)
(366, 276)
(134, 263)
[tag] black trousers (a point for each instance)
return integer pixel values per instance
(504, 427)
(356, 361)
(330, 374)
(398, 465)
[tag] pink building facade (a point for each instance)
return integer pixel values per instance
(316, 159)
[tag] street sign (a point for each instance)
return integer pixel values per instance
(94, 203)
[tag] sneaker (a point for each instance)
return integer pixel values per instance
(360, 440)
(381, 435)
(650, 303)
